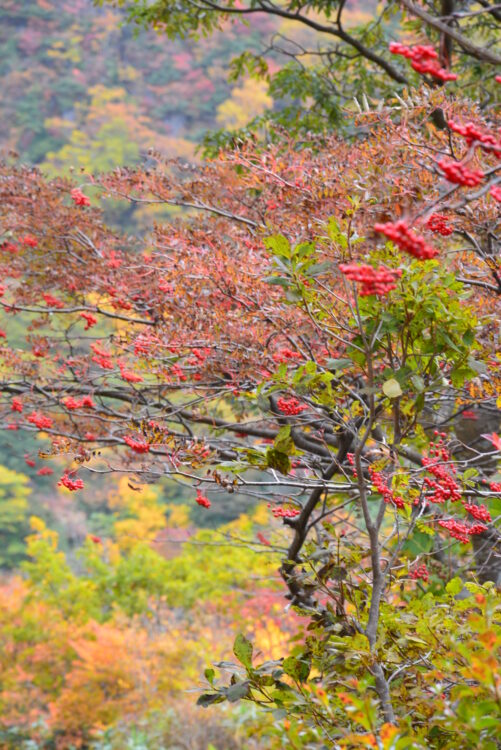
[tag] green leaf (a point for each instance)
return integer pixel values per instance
(278, 460)
(277, 281)
(283, 441)
(338, 364)
(209, 675)
(391, 388)
(242, 648)
(208, 699)
(454, 586)
(279, 245)
(296, 668)
(418, 383)
(236, 692)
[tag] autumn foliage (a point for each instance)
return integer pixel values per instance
(311, 326)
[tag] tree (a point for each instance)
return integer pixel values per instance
(333, 53)
(309, 331)
(14, 511)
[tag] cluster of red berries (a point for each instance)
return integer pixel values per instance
(495, 191)
(290, 406)
(53, 301)
(374, 281)
(29, 240)
(423, 59)
(473, 134)
(144, 343)
(461, 531)
(285, 355)
(9, 247)
(351, 460)
(457, 173)
(79, 198)
(138, 446)
(281, 512)
(400, 233)
(444, 485)
(438, 223)
(129, 376)
(383, 489)
(45, 471)
(17, 405)
(71, 484)
(261, 538)
(421, 572)
(477, 528)
(202, 500)
(79, 403)
(103, 361)
(479, 512)
(90, 319)
(178, 372)
(40, 420)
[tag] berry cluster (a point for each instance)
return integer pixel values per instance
(40, 420)
(290, 406)
(383, 489)
(71, 484)
(495, 191)
(90, 319)
(53, 301)
(374, 281)
(423, 59)
(103, 361)
(281, 512)
(421, 572)
(438, 223)
(351, 460)
(285, 355)
(17, 405)
(479, 512)
(444, 485)
(9, 247)
(202, 500)
(473, 134)
(138, 446)
(461, 531)
(129, 376)
(29, 240)
(78, 403)
(457, 173)
(400, 233)
(79, 198)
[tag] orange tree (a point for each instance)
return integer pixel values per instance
(313, 328)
